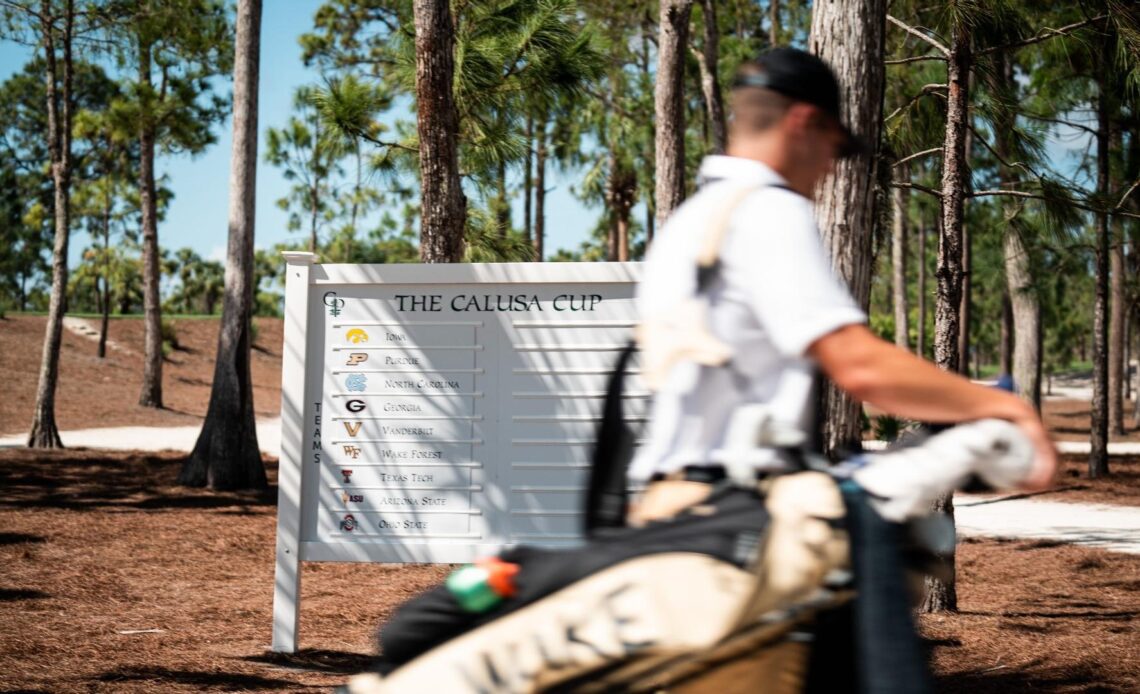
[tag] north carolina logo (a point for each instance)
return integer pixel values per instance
(356, 336)
(356, 383)
(334, 304)
(349, 523)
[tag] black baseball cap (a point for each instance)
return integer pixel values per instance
(804, 77)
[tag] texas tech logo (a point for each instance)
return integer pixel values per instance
(347, 475)
(349, 523)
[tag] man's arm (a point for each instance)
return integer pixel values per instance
(904, 385)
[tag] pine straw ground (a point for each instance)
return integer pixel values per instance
(97, 545)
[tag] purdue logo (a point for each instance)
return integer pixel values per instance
(355, 358)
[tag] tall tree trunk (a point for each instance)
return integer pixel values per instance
(898, 267)
(314, 213)
(920, 337)
(1005, 337)
(942, 596)
(528, 179)
(226, 455)
(964, 306)
(105, 302)
(502, 208)
(1024, 303)
(670, 112)
(540, 191)
(1098, 454)
(151, 395)
(774, 22)
(849, 35)
(44, 432)
(444, 216)
(1117, 302)
(707, 61)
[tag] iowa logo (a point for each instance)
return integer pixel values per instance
(356, 336)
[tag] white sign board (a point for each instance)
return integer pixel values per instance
(436, 413)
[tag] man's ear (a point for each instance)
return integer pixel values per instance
(799, 118)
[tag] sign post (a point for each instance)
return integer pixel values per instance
(437, 413)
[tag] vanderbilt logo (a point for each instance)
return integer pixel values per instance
(352, 451)
(353, 428)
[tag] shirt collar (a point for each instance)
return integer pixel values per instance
(721, 167)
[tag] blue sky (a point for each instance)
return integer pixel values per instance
(197, 215)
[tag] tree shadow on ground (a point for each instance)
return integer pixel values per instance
(226, 681)
(20, 539)
(318, 660)
(14, 594)
(1027, 678)
(84, 480)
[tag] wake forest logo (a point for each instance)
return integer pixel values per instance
(355, 358)
(349, 523)
(353, 428)
(356, 383)
(347, 475)
(356, 336)
(355, 406)
(352, 451)
(335, 305)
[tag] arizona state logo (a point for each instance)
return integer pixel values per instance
(349, 523)
(356, 336)
(353, 428)
(346, 497)
(355, 358)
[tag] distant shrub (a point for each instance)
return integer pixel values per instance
(253, 332)
(169, 338)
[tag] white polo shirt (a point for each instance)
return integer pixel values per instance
(775, 295)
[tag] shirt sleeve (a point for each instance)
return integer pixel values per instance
(775, 254)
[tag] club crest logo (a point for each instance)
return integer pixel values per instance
(345, 497)
(347, 475)
(355, 358)
(348, 524)
(356, 336)
(356, 383)
(353, 428)
(355, 406)
(352, 451)
(335, 305)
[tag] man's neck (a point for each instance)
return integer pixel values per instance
(770, 153)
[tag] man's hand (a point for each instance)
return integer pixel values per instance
(1045, 462)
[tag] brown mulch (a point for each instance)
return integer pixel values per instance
(1069, 420)
(95, 392)
(1121, 486)
(95, 543)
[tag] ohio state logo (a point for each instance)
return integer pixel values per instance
(349, 523)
